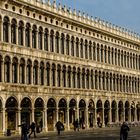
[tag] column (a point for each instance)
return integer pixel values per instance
(33, 119)
(123, 113)
(130, 114)
(136, 115)
(31, 74)
(68, 118)
(18, 72)
(101, 80)
(38, 75)
(45, 120)
(43, 41)
(50, 75)
(93, 79)
(65, 47)
(95, 117)
(57, 117)
(9, 33)
(24, 36)
(30, 38)
(37, 40)
(110, 116)
(74, 45)
(70, 46)
(25, 72)
(117, 115)
(19, 119)
(17, 35)
(11, 72)
(2, 71)
(1, 30)
(83, 49)
(90, 52)
(3, 121)
(87, 124)
(103, 122)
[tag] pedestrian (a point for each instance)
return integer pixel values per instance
(60, 127)
(76, 125)
(32, 127)
(124, 131)
(24, 131)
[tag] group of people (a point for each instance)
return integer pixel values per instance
(77, 124)
(27, 131)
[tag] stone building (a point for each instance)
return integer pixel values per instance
(59, 64)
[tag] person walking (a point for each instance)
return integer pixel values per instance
(59, 126)
(24, 131)
(124, 131)
(32, 127)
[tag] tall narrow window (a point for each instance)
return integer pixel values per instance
(46, 40)
(13, 31)
(22, 71)
(77, 47)
(86, 49)
(14, 70)
(81, 45)
(41, 73)
(28, 72)
(27, 35)
(57, 42)
(34, 36)
(40, 38)
(6, 29)
(58, 76)
(20, 33)
(62, 43)
(72, 46)
(51, 41)
(67, 45)
(53, 75)
(7, 69)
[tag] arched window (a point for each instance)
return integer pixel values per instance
(83, 78)
(67, 45)
(34, 36)
(58, 75)
(64, 76)
(62, 43)
(72, 46)
(28, 72)
(48, 74)
(41, 73)
(6, 29)
(7, 69)
(46, 40)
(13, 31)
(27, 35)
(81, 45)
(1, 71)
(86, 49)
(35, 73)
(57, 42)
(69, 77)
(77, 47)
(98, 53)
(94, 51)
(40, 38)
(78, 78)
(90, 50)
(74, 77)
(22, 71)
(14, 70)
(20, 33)
(51, 41)
(87, 79)
(109, 55)
(53, 74)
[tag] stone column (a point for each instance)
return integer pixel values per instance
(9, 33)
(11, 76)
(94, 80)
(95, 117)
(31, 74)
(117, 115)
(70, 46)
(74, 45)
(43, 41)
(84, 50)
(18, 72)
(87, 121)
(33, 116)
(1, 31)
(49, 41)
(110, 116)
(45, 127)
(30, 38)
(130, 114)
(19, 119)
(2, 71)
(38, 75)
(25, 72)
(17, 35)
(68, 124)
(136, 119)
(24, 36)
(3, 121)
(37, 40)
(103, 121)
(57, 117)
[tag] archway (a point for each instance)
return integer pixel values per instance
(127, 111)
(51, 114)
(133, 112)
(62, 110)
(39, 106)
(106, 112)
(26, 110)
(138, 112)
(114, 109)
(82, 107)
(11, 110)
(120, 111)
(91, 113)
(72, 115)
(99, 113)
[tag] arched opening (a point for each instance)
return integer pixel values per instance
(51, 114)
(39, 106)
(6, 29)
(20, 33)
(127, 111)
(82, 107)
(27, 35)
(14, 70)
(133, 112)
(26, 110)
(91, 113)
(11, 116)
(40, 32)
(41, 73)
(13, 31)
(35, 73)
(114, 109)
(22, 71)
(28, 71)
(99, 113)
(72, 112)
(106, 112)
(62, 110)
(34, 34)
(138, 112)
(1, 72)
(120, 111)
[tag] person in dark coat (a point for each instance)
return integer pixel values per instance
(76, 125)
(24, 131)
(124, 131)
(59, 126)
(32, 127)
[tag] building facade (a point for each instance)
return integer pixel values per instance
(59, 64)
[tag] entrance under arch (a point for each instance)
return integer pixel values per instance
(11, 111)
(26, 110)
(51, 114)
(99, 113)
(114, 109)
(121, 111)
(127, 111)
(106, 112)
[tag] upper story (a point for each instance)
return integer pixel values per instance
(38, 28)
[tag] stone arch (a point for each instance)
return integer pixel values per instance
(127, 109)
(106, 112)
(114, 110)
(120, 111)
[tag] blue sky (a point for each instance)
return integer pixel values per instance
(124, 13)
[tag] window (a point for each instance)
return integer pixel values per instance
(62, 43)
(27, 35)
(77, 47)
(6, 29)
(7, 69)
(13, 31)
(57, 42)
(72, 46)
(51, 41)
(40, 38)
(67, 45)
(14, 70)
(46, 40)
(34, 37)
(20, 33)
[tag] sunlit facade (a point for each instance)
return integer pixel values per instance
(57, 64)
